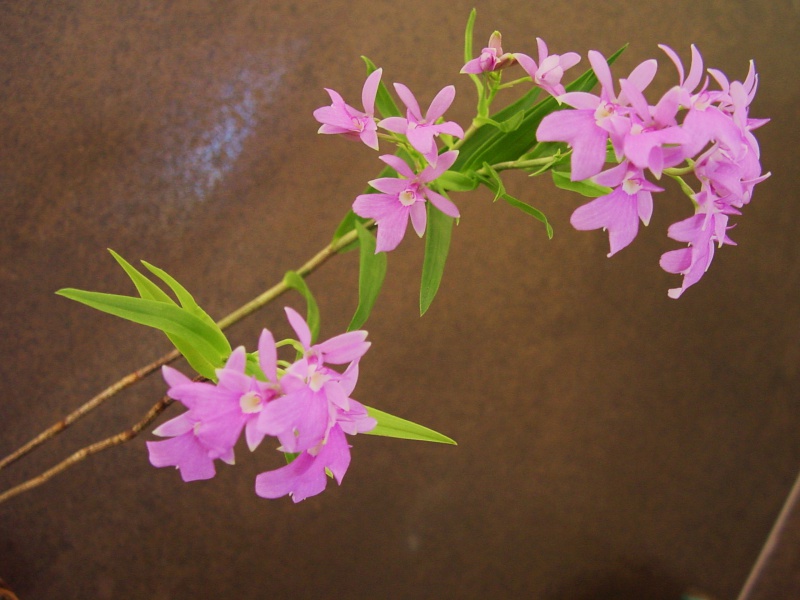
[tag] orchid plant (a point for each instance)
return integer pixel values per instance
(612, 148)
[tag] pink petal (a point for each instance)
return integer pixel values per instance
(643, 74)
(268, 355)
(236, 361)
(253, 435)
(300, 327)
(600, 67)
(398, 164)
(185, 453)
(177, 426)
(527, 64)
(344, 348)
(616, 212)
(409, 100)
(443, 204)
(394, 124)
(444, 162)
(299, 479)
(419, 217)
(441, 103)
(370, 90)
(676, 261)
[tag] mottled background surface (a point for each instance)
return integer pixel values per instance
(613, 443)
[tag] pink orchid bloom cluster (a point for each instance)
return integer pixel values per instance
(306, 406)
(547, 74)
(709, 130)
(400, 199)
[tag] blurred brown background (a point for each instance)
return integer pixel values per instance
(613, 443)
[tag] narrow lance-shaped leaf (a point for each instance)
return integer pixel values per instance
(437, 245)
(166, 317)
(150, 291)
(468, 35)
(188, 302)
(145, 287)
(509, 124)
(294, 281)
(371, 273)
(587, 188)
(391, 426)
(458, 182)
(493, 182)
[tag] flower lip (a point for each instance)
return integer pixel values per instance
(251, 402)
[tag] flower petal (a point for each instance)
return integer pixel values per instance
(300, 327)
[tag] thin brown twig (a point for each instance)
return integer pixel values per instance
(234, 317)
(83, 453)
(57, 428)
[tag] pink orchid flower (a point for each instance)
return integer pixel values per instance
(421, 130)
(548, 73)
(341, 118)
(620, 211)
(491, 58)
(401, 199)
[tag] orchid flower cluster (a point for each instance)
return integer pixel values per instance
(708, 130)
(306, 406)
(694, 128)
(691, 129)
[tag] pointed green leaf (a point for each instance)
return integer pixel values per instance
(468, 35)
(168, 318)
(459, 182)
(372, 271)
(384, 102)
(391, 426)
(150, 291)
(189, 303)
(145, 287)
(437, 245)
(294, 281)
(587, 188)
(493, 182)
(509, 124)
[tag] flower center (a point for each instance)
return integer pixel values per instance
(250, 403)
(358, 123)
(407, 197)
(631, 186)
(316, 378)
(602, 112)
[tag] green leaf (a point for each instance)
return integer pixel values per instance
(459, 182)
(391, 426)
(384, 102)
(372, 271)
(494, 183)
(150, 291)
(168, 318)
(294, 281)
(188, 302)
(586, 188)
(145, 287)
(437, 244)
(510, 124)
(468, 35)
